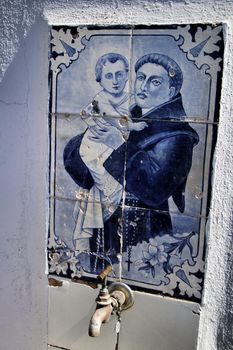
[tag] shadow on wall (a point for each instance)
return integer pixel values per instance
(224, 333)
(15, 27)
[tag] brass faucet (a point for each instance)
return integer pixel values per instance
(109, 300)
(104, 306)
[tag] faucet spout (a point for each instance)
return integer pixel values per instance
(101, 315)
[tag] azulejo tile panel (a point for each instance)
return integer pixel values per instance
(133, 122)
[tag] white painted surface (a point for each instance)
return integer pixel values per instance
(23, 112)
(153, 323)
(23, 159)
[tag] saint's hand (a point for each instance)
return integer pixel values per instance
(107, 134)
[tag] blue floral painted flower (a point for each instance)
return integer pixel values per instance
(162, 258)
(155, 254)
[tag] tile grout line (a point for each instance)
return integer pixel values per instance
(125, 165)
(189, 119)
(132, 207)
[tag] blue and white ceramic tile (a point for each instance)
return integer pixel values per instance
(132, 120)
(167, 261)
(193, 50)
(188, 159)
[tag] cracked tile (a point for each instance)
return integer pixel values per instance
(82, 237)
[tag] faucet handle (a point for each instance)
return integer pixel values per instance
(102, 277)
(104, 296)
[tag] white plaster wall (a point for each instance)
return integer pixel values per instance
(23, 157)
(23, 162)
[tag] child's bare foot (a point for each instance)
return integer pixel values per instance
(137, 126)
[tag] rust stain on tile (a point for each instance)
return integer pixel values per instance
(93, 285)
(54, 282)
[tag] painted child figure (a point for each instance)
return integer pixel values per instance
(108, 106)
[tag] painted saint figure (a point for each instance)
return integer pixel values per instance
(158, 158)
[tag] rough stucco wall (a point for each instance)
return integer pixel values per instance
(17, 17)
(23, 103)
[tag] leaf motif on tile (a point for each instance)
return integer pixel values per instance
(200, 49)
(60, 261)
(162, 256)
(66, 47)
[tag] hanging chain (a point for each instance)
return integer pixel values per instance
(118, 323)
